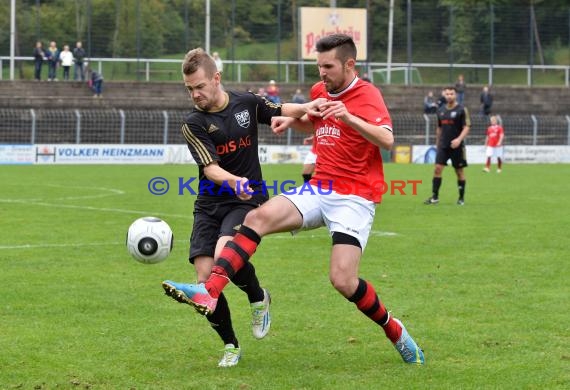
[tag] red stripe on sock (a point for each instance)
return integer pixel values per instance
(392, 329)
(217, 281)
(219, 277)
(368, 300)
(246, 243)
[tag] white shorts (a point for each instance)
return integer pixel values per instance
(349, 214)
(494, 151)
(310, 158)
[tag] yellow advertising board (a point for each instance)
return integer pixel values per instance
(317, 22)
(403, 154)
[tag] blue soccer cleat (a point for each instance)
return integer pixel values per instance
(195, 295)
(408, 348)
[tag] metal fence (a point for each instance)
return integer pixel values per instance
(531, 34)
(244, 71)
(50, 126)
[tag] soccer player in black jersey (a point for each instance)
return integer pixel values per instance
(453, 124)
(222, 135)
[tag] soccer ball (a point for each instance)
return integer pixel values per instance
(149, 240)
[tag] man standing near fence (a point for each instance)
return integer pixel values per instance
(78, 58)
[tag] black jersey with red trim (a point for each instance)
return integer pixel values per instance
(451, 121)
(229, 136)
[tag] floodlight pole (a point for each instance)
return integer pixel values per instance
(207, 40)
(12, 37)
(390, 38)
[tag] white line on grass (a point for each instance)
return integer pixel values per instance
(375, 233)
(35, 246)
(91, 208)
(71, 245)
(87, 244)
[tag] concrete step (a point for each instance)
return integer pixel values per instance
(173, 95)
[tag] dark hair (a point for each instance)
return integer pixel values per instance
(450, 87)
(344, 44)
(198, 58)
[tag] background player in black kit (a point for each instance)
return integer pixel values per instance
(222, 135)
(453, 124)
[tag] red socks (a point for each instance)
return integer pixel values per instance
(232, 258)
(368, 303)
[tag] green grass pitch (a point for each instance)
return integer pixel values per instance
(483, 288)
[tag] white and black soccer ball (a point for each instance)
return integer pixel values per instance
(149, 240)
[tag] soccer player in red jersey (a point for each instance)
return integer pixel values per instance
(350, 127)
(494, 144)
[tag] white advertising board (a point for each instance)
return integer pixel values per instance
(146, 154)
(17, 154)
(100, 154)
(425, 154)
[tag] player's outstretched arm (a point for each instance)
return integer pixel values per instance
(281, 123)
(381, 136)
(297, 110)
(220, 176)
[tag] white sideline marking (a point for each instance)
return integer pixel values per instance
(85, 244)
(301, 234)
(91, 208)
(34, 246)
(379, 233)
(109, 192)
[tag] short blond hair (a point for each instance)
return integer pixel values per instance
(196, 59)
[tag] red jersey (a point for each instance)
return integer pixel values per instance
(314, 145)
(494, 133)
(345, 158)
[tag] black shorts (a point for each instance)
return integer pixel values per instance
(458, 156)
(213, 219)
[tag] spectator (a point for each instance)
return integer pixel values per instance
(261, 92)
(486, 100)
(79, 57)
(218, 61)
(365, 77)
(95, 82)
(52, 56)
(460, 88)
(272, 92)
(442, 101)
(298, 97)
(430, 104)
(66, 58)
(39, 56)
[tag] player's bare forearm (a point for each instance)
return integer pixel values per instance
(456, 142)
(281, 123)
(381, 136)
(220, 176)
(297, 110)
(464, 133)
